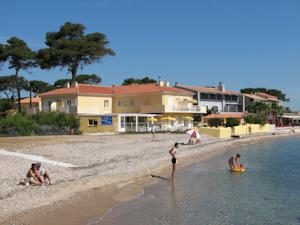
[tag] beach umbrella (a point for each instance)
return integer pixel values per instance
(188, 118)
(193, 133)
(168, 118)
(152, 119)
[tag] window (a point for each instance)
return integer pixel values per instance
(212, 96)
(106, 104)
(92, 123)
(203, 96)
(234, 98)
(69, 102)
(219, 97)
(131, 102)
(119, 103)
(122, 121)
(228, 97)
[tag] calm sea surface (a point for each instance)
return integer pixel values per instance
(207, 193)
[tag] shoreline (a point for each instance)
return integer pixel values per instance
(117, 189)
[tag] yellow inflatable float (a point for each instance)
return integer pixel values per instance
(238, 170)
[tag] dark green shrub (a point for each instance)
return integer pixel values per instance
(17, 124)
(215, 122)
(6, 104)
(232, 122)
(61, 120)
(256, 119)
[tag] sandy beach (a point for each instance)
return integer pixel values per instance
(109, 168)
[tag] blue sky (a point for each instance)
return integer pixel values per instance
(242, 43)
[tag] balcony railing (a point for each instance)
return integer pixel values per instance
(64, 109)
(170, 109)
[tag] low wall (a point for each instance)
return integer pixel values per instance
(84, 127)
(237, 130)
(221, 132)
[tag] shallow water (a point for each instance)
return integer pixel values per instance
(207, 193)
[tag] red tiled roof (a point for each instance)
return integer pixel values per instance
(255, 97)
(146, 88)
(80, 89)
(33, 100)
(118, 90)
(225, 115)
(267, 96)
(211, 90)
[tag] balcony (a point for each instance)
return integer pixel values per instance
(65, 109)
(172, 109)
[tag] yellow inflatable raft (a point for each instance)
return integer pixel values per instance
(238, 170)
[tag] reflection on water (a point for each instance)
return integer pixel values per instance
(207, 193)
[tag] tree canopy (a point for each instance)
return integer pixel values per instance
(144, 80)
(279, 94)
(38, 86)
(19, 57)
(72, 49)
(81, 79)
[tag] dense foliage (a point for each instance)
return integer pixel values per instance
(144, 80)
(72, 49)
(19, 57)
(215, 122)
(232, 122)
(92, 79)
(256, 119)
(41, 123)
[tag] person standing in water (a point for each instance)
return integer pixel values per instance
(173, 152)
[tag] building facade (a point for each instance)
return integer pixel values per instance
(216, 98)
(125, 108)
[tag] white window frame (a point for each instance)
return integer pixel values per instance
(106, 104)
(94, 122)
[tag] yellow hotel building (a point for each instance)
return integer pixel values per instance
(124, 108)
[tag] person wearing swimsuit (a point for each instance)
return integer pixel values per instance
(173, 152)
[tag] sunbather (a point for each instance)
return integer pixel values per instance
(32, 178)
(42, 174)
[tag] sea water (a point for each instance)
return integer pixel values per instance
(207, 193)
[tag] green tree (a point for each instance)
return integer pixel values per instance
(37, 87)
(61, 83)
(9, 85)
(19, 57)
(215, 122)
(6, 104)
(81, 79)
(88, 79)
(258, 108)
(72, 49)
(277, 111)
(144, 80)
(232, 122)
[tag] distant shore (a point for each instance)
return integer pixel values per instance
(110, 169)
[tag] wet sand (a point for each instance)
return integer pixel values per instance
(95, 186)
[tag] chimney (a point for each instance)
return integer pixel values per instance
(221, 87)
(164, 83)
(74, 84)
(68, 85)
